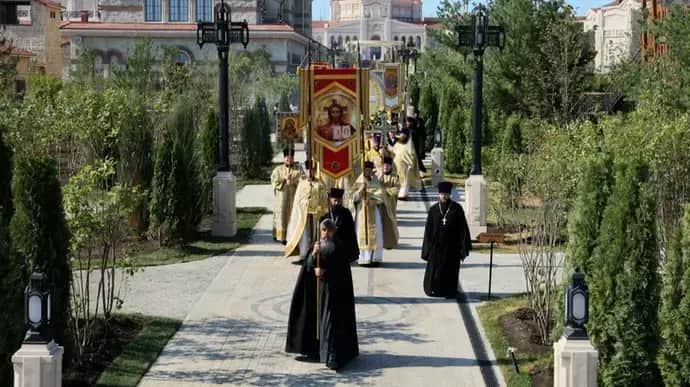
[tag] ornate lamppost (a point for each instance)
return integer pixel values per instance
(222, 32)
(478, 36)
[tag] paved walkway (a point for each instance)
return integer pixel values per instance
(235, 333)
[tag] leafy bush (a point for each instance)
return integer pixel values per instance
(264, 122)
(175, 192)
(455, 143)
(207, 146)
(251, 158)
(10, 296)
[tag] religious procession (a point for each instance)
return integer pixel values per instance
(340, 206)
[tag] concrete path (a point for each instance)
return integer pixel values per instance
(235, 333)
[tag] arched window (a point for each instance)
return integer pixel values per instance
(347, 39)
(418, 41)
(402, 38)
(395, 38)
(183, 58)
(410, 40)
(340, 41)
(332, 40)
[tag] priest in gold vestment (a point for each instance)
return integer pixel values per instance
(374, 153)
(311, 202)
(375, 222)
(391, 182)
(284, 179)
(406, 164)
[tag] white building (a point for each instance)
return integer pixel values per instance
(386, 20)
(112, 28)
(616, 34)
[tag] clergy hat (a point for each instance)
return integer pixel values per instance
(388, 160)
(376, 138)
(288, 152)
(445, 187)
(328, 224)
(336, 193)
(308, 164)
(368, 164)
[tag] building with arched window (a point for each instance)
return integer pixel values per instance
(283, 27)
(386, 20)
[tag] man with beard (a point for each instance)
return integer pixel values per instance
(322, 324)
(284, 179)
(391, 182)
(311, 202)
(345, 224)
(446, 243)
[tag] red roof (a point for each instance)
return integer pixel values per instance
(77, 25)
(50, 3)
(22, 52)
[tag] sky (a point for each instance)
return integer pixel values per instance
(321, 12)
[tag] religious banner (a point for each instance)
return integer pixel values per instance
(339, 114)
(289, 128)
(393, 86)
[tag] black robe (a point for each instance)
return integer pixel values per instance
(346, 234)
(338, 330)
(443, 248)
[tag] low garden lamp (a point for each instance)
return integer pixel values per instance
(437, 138)
(576, 307)
(37, 309)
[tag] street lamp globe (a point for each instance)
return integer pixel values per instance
(577, 307)
(37, 311)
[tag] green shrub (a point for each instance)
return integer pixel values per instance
(251, 159)
(625, 283)
(454, 143)
(428, 113)
(10, 297)
(39, 235)
(207, 145)
(264, 122)
(135, 166)
(175, 188)
(674, 351)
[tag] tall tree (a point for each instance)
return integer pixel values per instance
(675, 310)
(625, 282)
(39, 234)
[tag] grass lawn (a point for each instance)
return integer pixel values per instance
(205, 246)
(137, 356)
(490, 314)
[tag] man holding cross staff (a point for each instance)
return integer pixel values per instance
(322, 323)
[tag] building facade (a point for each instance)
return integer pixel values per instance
(33, 27)
(373, 20)
(112, 28)
(616, 32)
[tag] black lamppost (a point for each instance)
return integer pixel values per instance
(408, 56)
(478, 36)
(576, 307)
(37, 309)
(222, 32)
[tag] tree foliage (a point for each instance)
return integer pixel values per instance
(175, 189)
(625, 282)
(39, 233)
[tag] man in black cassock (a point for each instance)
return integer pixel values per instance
(332, 339)
(344, 222)
(447, 242)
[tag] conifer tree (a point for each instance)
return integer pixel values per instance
(10, 321)
(428, 112)
(674, 351)
(625, 283)
(454, 143)
(208, 158)
(264, 122)
(40, 236)
(175, 188)
(250, 154)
